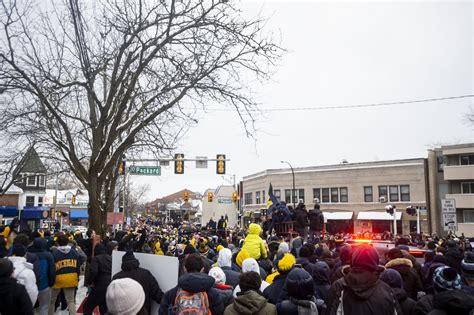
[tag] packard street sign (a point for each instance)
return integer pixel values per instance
(145, 170)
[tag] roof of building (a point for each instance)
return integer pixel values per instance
(334, 167)
(30, 163)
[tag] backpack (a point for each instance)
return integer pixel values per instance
(187, 303)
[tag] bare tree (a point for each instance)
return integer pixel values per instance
(91, 81)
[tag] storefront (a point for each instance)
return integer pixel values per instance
(78, 217)
(339, 222)
(31, 217)
(376, 222)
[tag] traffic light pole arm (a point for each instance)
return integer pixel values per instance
(173, 160)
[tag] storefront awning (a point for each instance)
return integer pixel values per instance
(8, 211)
(34, 213)
(78, 214)
(377, 215)
(342, 215)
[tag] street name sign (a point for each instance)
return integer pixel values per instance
(145, 170)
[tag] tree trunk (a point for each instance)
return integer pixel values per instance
(97, 213)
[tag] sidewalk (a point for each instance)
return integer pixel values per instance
(81, 294)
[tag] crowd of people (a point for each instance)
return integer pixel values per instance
(226, 270)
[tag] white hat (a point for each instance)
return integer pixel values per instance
(218, 274)
(250, 264)
(125, 296)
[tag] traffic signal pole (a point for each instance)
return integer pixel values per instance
(394, 222)
(417, 220)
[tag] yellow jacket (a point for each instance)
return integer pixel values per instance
(6, 234)
(158, 250)
(253, 243)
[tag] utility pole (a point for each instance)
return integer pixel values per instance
(293, 191)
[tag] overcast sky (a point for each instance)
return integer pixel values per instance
(341, 54)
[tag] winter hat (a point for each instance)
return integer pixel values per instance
(365, 257)
(125, 296)
(286, 263)
(128, 256)
(218, 275)
(203, 249)
(346, 254)
(283, 248)
(6, 268)
(225, 258)
(219, 247)
(250, 264)
(19, 250)
(467, 265)
(393, 278)
(451, 244)
(299, 284)
(250, 281)
(446, 278)
(241, 256)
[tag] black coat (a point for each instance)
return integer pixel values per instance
(316, 220)
(301, 218)
(411, 281)
(456, 302)
(194, 282)
(14, 298)
(231, 276)
(131, 269)
(407, 305)
(290, 307)
(101, 268)
(454, 257)
(277, 292)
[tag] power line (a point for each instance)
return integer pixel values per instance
(353, 105)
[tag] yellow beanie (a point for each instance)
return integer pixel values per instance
(219, 247)
(286, 263)
(241, 256)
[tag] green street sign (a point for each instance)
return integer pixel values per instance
(145, 170)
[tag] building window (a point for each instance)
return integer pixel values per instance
(468, 216)
(440, 163)
(30, 201)
(394, 193)
(40, 201)
(288, 195)
(317, 193)
(467, 188)
(257, 198)
(383, 192)
(343, 194)
(466, 159)
(42, 180)
(263, 197)
(31, 180)
(325, 193)
(334, 195)
(368, 194)
(277, 194)
(405, 192)
(300, 194)
(248, 198)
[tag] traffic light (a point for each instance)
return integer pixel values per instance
(220, 165)
(122, 167)
(73, 201)
(52, 213)
(210, 196)
(179, 163)
(390, 209)
(59, 214)
(235, 196)
(186, 196)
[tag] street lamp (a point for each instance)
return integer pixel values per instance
(293, 190)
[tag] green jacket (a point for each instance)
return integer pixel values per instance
(250, 303)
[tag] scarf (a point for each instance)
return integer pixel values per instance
(306, 307)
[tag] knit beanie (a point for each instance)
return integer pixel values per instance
(128, 256)
(300, 284)
(446, 279)
(125, 297)
(19, 250)
(467, 265)
(392, 277)
(241, 256)
(250, 281)
(218, 275)
(6, 268)
(286, 263)
(365, 257)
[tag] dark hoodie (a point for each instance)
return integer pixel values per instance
(47, 272)
(322, 285)
(193, 282)
(411, 281)
(131, 269)
(456, 302)
(100, 268)
(363, 293)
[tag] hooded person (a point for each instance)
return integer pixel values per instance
(14, 298)
(24, 271)
(100, 276)
(438, 261)
(249, 265)
(131, 269)
(303, 259)
(454, 255)
(254, 244)
(158, 250)
(47, 272)
(411, 281)
(301, 300)
(277, 292)
(322, 284)
(194, 290)
(125, 297)
(225, 291)
(361, 291)
(224, 261)
(467, 268)
(250, 301)
(395, 281)
(449, 298)
(345, 255)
